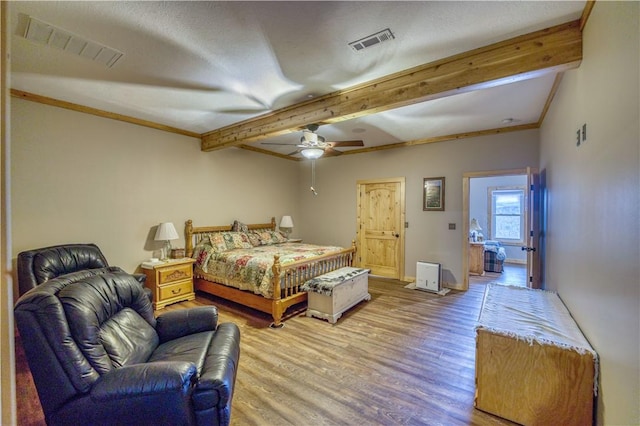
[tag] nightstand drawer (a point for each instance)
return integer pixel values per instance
(175, 290)
(175, 273)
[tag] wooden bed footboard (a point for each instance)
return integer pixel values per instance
(287, 279)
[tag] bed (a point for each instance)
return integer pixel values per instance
(255, 266)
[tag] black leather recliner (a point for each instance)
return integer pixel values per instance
(42, 264)
(98, 355)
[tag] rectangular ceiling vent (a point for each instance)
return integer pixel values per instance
(43, 33)
(372, 40)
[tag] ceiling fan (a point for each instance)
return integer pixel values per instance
(314, 146)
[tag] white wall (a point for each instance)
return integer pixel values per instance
(330, 217)
(81, 178)
(479, 207)
(592, 197)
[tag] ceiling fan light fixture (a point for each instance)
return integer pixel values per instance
(312, 153)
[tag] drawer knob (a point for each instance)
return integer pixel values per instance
(176, 290)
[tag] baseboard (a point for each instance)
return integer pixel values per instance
(444, 285)
(516, 261)
(402, 280)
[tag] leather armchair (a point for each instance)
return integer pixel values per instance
(39, 265)
(98, 356)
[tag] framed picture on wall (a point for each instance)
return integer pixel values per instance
(433, 194)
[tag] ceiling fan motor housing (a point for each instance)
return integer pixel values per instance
(310, 138)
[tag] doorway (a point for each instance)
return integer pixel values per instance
(500, 212)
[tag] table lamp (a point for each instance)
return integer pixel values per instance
(286, 225)
(166, 232)
(475, 230)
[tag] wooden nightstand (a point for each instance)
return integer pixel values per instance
(476, 259)
(170, 281)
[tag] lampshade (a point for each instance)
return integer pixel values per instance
(474, 225)
(166, 231)
(312, 153)
(286, 222)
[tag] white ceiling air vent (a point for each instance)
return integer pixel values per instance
(372, 40)
(43, 33)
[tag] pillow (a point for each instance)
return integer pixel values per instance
(271, 237)
(239, 227)
(217, 242)
(236, 240)
(254, 239)
(281, 237)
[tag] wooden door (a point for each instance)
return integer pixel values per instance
(380, 233)
(533, 229)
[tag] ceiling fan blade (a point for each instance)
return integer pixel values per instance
(346, 143)
(330, 152)
(297, 151)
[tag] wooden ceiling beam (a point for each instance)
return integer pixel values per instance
(532, 55)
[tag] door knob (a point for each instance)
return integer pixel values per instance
(528, 248)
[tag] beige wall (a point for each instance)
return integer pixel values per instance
(592, 249)
(81, 178)
(330, 217)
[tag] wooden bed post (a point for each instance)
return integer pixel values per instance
(353, 254)
(188, 237)
(277, 310)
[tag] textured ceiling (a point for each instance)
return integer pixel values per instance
(199, 66)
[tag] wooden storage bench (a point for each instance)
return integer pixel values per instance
(533, 365)
(333, 293)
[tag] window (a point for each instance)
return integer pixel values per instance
(506, 214)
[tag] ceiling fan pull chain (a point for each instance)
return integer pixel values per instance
(313, 177)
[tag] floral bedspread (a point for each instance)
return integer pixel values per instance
(250, 268)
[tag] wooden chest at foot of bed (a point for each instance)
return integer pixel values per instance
(332, 294)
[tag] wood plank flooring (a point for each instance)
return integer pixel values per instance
(406, 357)
(513, 274)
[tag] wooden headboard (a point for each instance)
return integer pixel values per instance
(193, 235)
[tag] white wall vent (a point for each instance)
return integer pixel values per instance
(49, 35)
(372, 40)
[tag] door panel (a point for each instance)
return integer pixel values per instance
(380, 230)
(533, 229)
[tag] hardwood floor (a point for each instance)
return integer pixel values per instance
(406, 357)
(513, 274)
